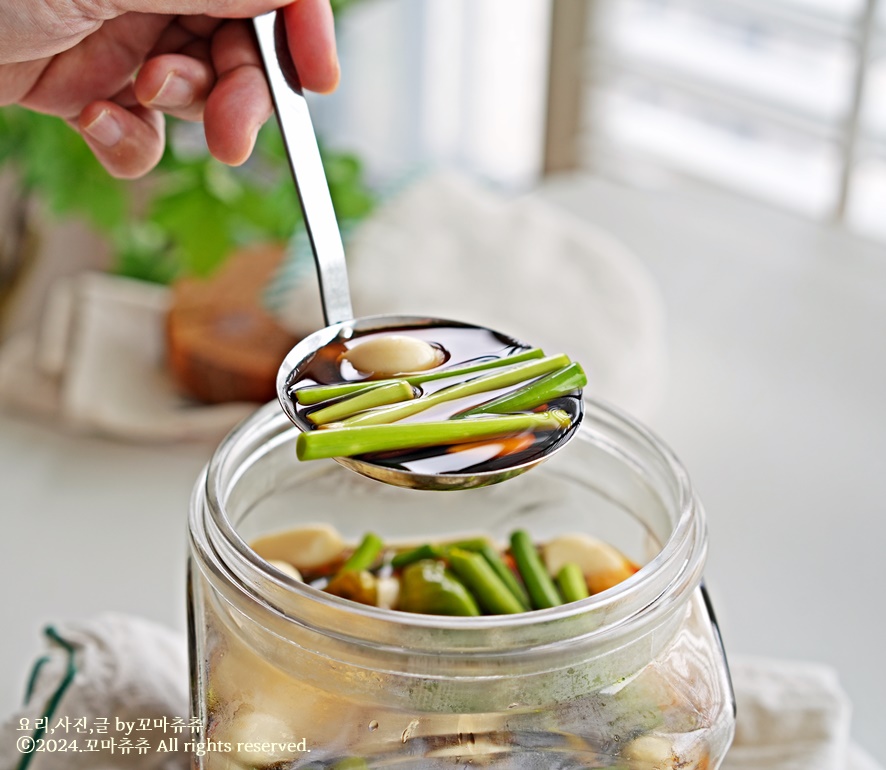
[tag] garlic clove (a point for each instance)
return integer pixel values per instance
(392, 354)
(388, 592)
(258, 739)
(602, 565)
(303, 548)
(652, 751)
(286, 568)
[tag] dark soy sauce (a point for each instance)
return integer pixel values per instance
(461, 345)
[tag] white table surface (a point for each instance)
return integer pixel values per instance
(776, 403)
(90, 525)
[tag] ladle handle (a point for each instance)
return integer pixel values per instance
(307, 167)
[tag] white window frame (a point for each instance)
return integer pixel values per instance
(573, 65)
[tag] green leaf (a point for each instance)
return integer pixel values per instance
(53, 160)
(273, 216)
(351, 203)
(11, 135)
(198, 226)
(269, 143)
(197, 210)
(142, 251)
(341, 168)
(350, 196)
(340, 5)
(151, 266)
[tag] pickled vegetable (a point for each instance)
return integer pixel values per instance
(492, 594)
(453, 385)
(358, 586)
(459, 577)
(542, 591)
(428, 587)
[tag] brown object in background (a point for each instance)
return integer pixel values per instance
(222, 344)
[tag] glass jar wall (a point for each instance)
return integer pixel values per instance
(287, 676)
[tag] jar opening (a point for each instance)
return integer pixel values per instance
(615, 463)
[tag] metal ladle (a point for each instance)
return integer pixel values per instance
(303, 153)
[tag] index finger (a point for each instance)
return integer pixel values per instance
(227, 9)
(310, 29)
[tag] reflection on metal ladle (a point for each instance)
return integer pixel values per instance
(319, 216)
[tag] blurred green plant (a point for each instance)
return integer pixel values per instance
(52, 161)
(339, 5)
(189, 214)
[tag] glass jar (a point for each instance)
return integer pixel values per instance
(287, 676)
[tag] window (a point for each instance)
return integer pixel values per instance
(460, 82)
(783, 100)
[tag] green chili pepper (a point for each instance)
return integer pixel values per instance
(428, 587)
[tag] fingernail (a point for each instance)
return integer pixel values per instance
(175, 92)
(105, 129)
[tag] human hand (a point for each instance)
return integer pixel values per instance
(110, 68)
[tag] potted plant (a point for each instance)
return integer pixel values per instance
(180, 225)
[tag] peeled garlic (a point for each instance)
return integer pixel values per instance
(259, 739)
(254, 696)
(393, 354)
(388, 591)
(601, 564)
(217, 760)
(303, 548)
(652, 751)
(286, 568)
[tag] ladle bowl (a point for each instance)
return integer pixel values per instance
(303, 153)
(300, 357)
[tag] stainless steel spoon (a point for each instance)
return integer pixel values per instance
(303, 153)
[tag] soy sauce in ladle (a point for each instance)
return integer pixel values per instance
(317, 359)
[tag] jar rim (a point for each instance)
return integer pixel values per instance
(672, 573)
